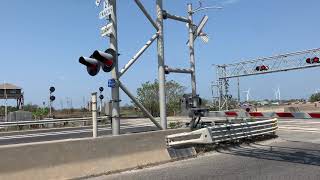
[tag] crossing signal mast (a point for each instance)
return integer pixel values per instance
(101, 97)
(265, 65)
(108, 60)
(52, 98)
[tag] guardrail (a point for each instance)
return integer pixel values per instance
(48, 121)
(243, 114)
(223, 133)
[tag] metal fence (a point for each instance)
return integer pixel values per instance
(223, 133)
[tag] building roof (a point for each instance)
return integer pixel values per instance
(9, 86)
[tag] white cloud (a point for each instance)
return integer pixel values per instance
(230, 1)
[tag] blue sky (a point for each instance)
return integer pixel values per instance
(41, 41)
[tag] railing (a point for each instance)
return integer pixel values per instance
(223, 133)
(48, 121)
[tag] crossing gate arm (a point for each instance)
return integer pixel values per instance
(223, 133)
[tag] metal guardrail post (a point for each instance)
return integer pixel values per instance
(94, 115)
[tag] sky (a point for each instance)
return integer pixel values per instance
(41, 42)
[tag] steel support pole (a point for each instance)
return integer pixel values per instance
(238, 91)
(114, 72)
(94, 115)
(6, 110)
(100, 108)
(136, 56)
(140, 5)
(143, 109)
(191, 51)
(50, 106)
(178, 70)
(177, 18)
(161, 66)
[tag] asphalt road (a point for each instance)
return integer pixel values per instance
(127, 126)
(294, 155)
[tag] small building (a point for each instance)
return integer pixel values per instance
(10, 91)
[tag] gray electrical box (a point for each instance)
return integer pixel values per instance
(19, 116)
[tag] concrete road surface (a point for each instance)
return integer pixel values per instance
(127, 126)
(294, 155)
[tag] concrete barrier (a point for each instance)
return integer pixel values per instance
(83, 157)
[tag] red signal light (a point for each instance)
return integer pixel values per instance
(262, 68)
(308, 60)
(93, 66)
(315, 60)
(107, 59)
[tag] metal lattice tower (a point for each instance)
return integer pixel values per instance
(279, 63)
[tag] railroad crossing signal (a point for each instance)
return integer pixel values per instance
(52, 89)
(312, 60)
(99, 59)
(101, 97)
(52, 97)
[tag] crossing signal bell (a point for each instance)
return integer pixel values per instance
(99, 59)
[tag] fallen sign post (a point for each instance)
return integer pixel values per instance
(224, 133)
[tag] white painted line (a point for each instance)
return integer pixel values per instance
(300, 129)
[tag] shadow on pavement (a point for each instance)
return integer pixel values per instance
(309, 155)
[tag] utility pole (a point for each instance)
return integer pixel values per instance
(239, 91)
(161, 65)
(192, 58)
(115, 72)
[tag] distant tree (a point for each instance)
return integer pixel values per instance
(40, 113)
(37, 111)
(149, 97)
(9, 108)
(314, 97)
